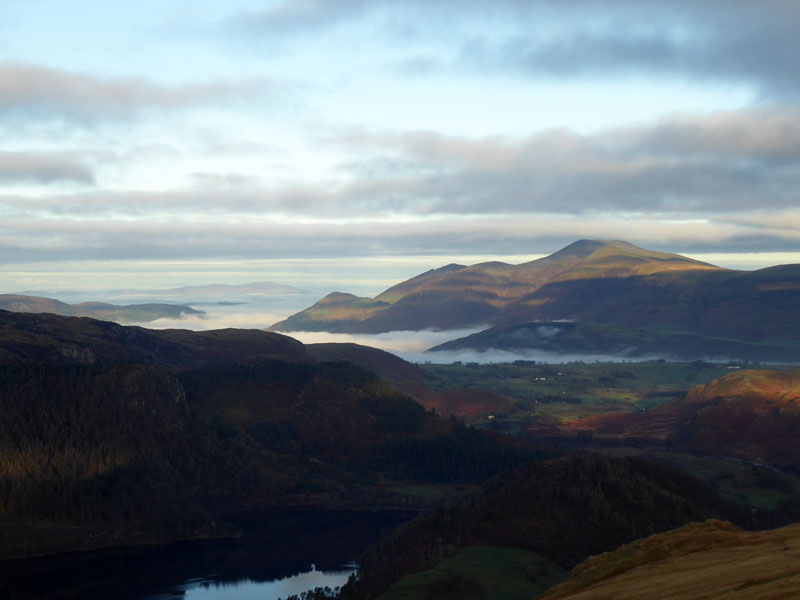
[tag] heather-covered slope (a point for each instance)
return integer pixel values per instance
(698, 561)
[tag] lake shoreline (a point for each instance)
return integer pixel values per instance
(145, 539)
(271, 544)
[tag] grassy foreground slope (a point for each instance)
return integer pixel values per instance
(714, 559)
(481, 572)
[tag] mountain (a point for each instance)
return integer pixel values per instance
(713, 559)
(129, 313)
(458, 296)
(563, 510)
(639, 301)
(589, 339)
(114, 435)
(219, 289)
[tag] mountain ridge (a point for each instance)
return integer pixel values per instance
(640, 303)
(457, 296)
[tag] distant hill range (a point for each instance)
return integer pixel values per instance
(128, 313)
(220, 289)
(610, 297)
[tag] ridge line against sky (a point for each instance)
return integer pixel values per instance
(253, 131)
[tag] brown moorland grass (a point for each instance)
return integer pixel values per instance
(707, 560)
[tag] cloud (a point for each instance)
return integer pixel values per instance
(691, 165)
(402, 343)
(736, 42)
(253, 236)
(249, 320)
(686, 181)
(45, 168)
(299, 16)
(35, 91)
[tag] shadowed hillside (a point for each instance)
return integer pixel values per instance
(46, 338)
(573, 338)
(564, 510)
(117, 435)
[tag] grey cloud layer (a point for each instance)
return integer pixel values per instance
(28, 167)
(183, 238)
(725, 162)
(737, 41)
(689, 167)
(37, 91)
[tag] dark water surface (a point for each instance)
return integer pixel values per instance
(282, 552)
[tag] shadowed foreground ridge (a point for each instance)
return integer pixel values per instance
(114, 435)
(564, 510)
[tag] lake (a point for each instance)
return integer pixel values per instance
(282, 552)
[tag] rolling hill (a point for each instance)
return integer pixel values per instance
(127, 313)
(647, 302)
(751, 415)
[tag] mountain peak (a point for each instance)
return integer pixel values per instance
(607, 249)
(585, 248)
(579, 249)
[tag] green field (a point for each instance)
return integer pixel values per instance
(546, 392)
(479, 572)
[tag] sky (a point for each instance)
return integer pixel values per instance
(351, 144)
